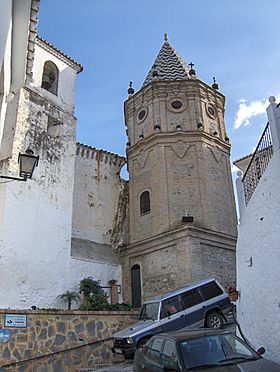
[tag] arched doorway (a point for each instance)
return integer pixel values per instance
(136, 286)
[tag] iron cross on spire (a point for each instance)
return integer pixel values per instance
(191, 64)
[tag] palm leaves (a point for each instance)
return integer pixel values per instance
(69, 297)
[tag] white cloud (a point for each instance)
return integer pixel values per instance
(247, 110)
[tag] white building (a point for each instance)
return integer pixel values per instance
(18, 24)
(258, 255)
(39, 258)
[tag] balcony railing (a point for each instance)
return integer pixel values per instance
(258, 164)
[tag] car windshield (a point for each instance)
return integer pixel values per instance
(215, 350)
(149, 311)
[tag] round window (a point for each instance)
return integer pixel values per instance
(211, 111)
(176, 104)
(141, 114)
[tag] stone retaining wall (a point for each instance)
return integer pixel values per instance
(61, 341)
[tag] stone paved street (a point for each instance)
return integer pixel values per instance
(126, 366)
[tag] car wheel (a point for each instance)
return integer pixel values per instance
(142, 342)
(214, 320)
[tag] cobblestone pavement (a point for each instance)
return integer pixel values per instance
(126, 366)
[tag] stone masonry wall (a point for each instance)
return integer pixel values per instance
(180, 156)
(173, 259)
(48, 334)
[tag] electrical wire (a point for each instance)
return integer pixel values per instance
(239, 327)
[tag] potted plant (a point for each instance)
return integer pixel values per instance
(112, 282)
(233, 293)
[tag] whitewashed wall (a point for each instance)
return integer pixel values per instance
(36, 265)
(97, 187)
(98, 271)
(15, 28)
(5, 26)
(96, 192)
(36, 216)
(5, 56)
(67, 78)
(258, 243)
(35, 244)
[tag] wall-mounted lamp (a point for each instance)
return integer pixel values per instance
(27, 163)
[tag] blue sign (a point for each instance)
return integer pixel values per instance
(5, 335)
(15, 320)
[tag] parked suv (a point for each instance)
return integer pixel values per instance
(200, 304)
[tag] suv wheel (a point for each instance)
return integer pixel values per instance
(214, 320)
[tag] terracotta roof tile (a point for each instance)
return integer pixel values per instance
(242, 158)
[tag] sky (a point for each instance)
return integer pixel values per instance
(117, 41)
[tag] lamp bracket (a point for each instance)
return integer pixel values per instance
(14, 178)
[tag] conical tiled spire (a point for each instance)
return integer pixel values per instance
(168, 66)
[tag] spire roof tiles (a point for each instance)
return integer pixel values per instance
(168, 65)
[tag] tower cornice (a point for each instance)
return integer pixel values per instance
(173, 84)
(160, 89)
(173, 137)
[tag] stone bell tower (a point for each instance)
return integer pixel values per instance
(181, 202)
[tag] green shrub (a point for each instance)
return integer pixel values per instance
(120, 307)
(95, 299)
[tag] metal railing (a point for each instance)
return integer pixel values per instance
(258, 164)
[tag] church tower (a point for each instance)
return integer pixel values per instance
(181, 203)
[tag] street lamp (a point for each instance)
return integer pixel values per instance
(27, 163)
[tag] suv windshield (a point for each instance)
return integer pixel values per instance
(215, 350)
(149, 311)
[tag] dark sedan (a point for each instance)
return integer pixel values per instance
(202, 350)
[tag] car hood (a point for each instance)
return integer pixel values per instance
(260, 365)
(133, 329)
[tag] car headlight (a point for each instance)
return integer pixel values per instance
(129, 340)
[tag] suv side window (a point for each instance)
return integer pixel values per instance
(210, 290)
(170, 306)
(191, 298)
(169, 357)
(154, 350)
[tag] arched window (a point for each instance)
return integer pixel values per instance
(145, 202)
(136, 286)
(50, 77)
